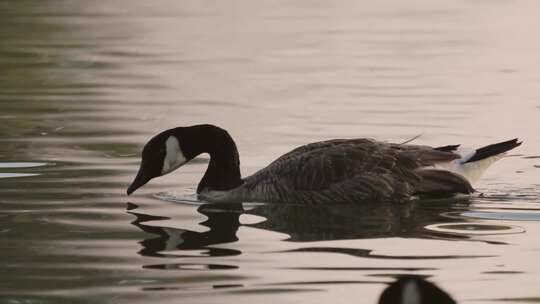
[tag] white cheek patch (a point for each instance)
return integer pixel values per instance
(411, 293)
(174, 157)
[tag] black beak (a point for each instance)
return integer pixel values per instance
(140, 180)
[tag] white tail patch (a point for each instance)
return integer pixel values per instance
(471, 171)
(174, 157)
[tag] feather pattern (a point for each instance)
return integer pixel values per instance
(355, 170)
(333, 171)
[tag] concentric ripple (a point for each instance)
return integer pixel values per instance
(475, 228)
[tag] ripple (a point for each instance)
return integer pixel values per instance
(366, 253)
(187, 197)
(186, 266)
(410, 269)
(21, 165)
(475, 228)
(503, 272)
(508, 193)
(508, 216)
(325, 282)
(10, 175)
(273, 290)
(18, 165)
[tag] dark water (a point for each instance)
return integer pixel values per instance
(83, 84)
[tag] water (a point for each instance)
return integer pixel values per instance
(83, 84)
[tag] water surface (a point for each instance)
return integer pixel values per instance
(83, 84)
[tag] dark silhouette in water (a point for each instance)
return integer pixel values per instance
(308, 224)
(223, 227)
(411, 289)
(302, 224)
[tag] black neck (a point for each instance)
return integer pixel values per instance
(223, 172)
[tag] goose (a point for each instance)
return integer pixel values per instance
(411, 289)
(332, 171)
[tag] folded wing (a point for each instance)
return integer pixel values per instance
(355, 170)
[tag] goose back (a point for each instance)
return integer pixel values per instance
(349, 171)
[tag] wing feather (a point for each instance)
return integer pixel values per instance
(349, 171)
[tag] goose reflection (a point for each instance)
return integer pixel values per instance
(223, 227)
(301, 223)
(328, 223)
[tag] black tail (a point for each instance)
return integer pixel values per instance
(449, 148)
(494, 149)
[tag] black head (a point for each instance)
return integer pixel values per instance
(161, 155)
(173, 148)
